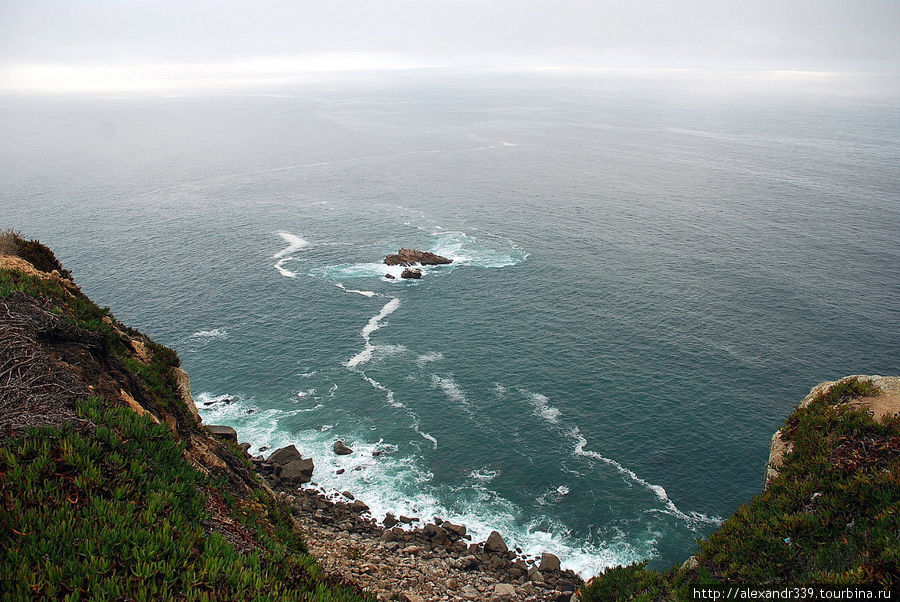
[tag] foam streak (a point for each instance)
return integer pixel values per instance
(371, 326)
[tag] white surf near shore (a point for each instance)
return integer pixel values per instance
(389, 482)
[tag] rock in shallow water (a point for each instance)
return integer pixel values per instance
(341, 449)
(408, 257)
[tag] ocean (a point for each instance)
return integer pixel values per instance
(644, 284)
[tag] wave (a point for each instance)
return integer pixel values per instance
(692, 519)
(451, 389)
(484, 475)
(294, 243)
(389, 482)
(350, 271)
(425, 358)
(358, 292)
(371, 326)
(485, 251)
(205, 335)
(541, 406)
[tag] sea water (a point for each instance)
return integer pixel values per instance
(642, 287)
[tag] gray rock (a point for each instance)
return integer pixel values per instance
(549, 562)
(296, 472)
(284, 455)
(359, 506)
(465, 563)
(226, 433)
(459, 530)
(495, 543)
(503, 591)
(341, 449)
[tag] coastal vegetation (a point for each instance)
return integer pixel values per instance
(831, 516)
(109, 486)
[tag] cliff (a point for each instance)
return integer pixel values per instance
(110, 486)
(829, 513)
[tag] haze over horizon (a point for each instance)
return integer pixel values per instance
(107, 46)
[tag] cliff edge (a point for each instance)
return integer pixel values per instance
(110, 486)
(828, 516)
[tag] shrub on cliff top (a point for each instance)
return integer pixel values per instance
(832, 516)
(32, 251)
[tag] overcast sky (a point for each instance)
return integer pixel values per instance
(70, 41)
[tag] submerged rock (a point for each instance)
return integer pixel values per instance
(408, 257)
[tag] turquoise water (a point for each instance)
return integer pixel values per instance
(642, 287)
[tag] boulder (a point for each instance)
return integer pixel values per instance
(341, 449)
(296, 472)
(459, 530)
(408, 257)
(465, 563)
(549, 562)
(389, 276)
(411, 273)
(284, 455)
(436, 534)
(504, 591)
(226, 433)
(495, 544)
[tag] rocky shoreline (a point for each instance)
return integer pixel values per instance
(413, 558)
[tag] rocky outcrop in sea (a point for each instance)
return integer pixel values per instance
(410, 257)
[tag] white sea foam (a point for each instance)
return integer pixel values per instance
(294, 243)
(484, 475)
(485, 251)
(351, 271)
(371, 326)
(692, 519)
(400, 484)
(450, 388)
(283, 271)
(541, 406)
(358, 292)
(425, 358)
(388, 394)
(307, 393)
(216, 333)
